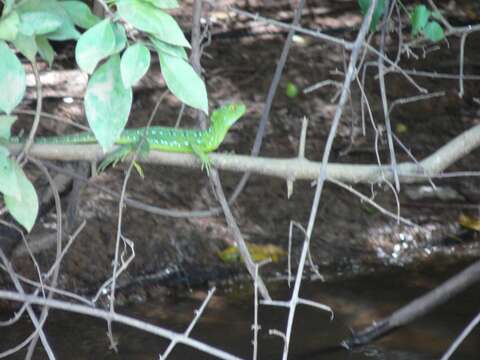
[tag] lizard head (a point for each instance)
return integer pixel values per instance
(223, 118)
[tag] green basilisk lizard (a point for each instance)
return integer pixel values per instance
(198, 142)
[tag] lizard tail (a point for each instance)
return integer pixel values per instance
(79, 138)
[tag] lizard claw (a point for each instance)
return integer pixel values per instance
(206, 165)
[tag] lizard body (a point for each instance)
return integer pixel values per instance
(199, 142)
(163, 138)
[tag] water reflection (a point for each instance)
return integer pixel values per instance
(227, 323)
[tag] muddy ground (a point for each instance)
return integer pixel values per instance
(349, 236)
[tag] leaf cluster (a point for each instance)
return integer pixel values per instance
(113, 60)
(420, 20)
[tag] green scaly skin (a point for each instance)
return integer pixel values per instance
(199, 142)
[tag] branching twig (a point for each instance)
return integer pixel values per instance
(349, 77)
(383, 93)
(256, 327)
(270, 96)
(56, 266)
(119, 237)
(38, 323)
(215, 179)
(198, 314)
(121, 319)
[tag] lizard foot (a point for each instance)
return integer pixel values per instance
(206, 162)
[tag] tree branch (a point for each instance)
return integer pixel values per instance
(286, 168)
(418, 307)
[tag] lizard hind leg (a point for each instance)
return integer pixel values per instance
(122, 152)
(113, 158)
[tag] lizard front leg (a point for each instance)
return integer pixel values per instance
(202, 155)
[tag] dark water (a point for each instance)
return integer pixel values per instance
(226, 323)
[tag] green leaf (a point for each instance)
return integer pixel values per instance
(163, 4)
(163, 47)
(377, 13)
(433, 31)
(120, 38)
(135, 63)
(6, 122)
(8, 176)
(184, 82)
(45, 49)
(95, 44)
(292, 90)
(152, 20)
(25, 209)
(66, 31)
(107, 103)
(9, 26)
(26, 45)
(419, 18)
(39, 23)
(7, 7)
(80, 14)
(12, 75)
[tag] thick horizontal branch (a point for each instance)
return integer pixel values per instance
(287, 168)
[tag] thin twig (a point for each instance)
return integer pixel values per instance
(56, 268)
(198, 314)
(215, 179)
(239, 240)
(121, 319)
(270, 96)
(120, 222)
(383, 94)
(38, 112)
(38, 323)
(458, 341)
(349, 77)
(54, 117)
(384, 211)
